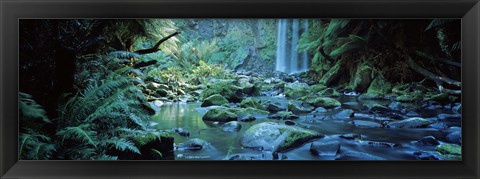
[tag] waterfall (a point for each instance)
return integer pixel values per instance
(288, 59)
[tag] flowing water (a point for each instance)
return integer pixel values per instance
(289, 59)
(225, 144)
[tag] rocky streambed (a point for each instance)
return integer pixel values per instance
(249, 118)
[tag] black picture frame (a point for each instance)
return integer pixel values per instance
(467, 10)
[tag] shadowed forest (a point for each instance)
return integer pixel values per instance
(240, 89)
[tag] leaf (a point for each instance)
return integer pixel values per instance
(79, 133)
(124, 144)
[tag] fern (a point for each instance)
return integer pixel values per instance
(30, 109)
(123, 145)
(79, 133)
(435, 23)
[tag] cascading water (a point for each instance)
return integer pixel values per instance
(288, 59)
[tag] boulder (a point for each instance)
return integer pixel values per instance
(414, 122)
(297, 108)
(276, 137)
(249, 102)
(194, 144)
(322, 102)
(214, 100)
(226, 88)
(428, 140)
(454, 137)
(219, 115)
(283, 115)
(344, 114)
(325, 148)
(351, 136)
(296, 90)
(424, 155)
(231, 126)
(363, 77)
(452, 149)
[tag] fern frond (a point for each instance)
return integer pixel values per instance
(30, 109)
(79, 133)
(438, 23)
(123, 145)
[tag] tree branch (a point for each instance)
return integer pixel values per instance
(443, 60)
(155, 47)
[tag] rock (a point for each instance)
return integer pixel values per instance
(438, 125)
(396, 106)
(366, 124)
(379, 144)
(322, 102)
(352, 155)
(329, 92)
(226, 88)
(446, 117)
(182, 132)
(351, 136)
(325, 148)
(246, 118)
(351, 104)
(297, 108)
(371, 117)
(161, 93)
(220, 115)
(453, 129)
(214, 100)
(412, 114)
(414, 122)
(446, 148)
(194, 144)
(423, 155)
(344, 114)
(454, 137)
(283, 115)
(257, 113)
(152, 86)
(363, 77)
(378, 88)
(265, 155)
(249, 102)
(428, 140)
(181, 92)
(289, 123)
(319, 110)
(333, 74)
(276, 137)
(231, 126)
(457, 108)
(272, 107)
(296, 90)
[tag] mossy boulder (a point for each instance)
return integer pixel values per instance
(296, 89)
(249, 102)
(214, 100)
(378, 88)
(363, 77)
(329, 92)
(226, 88)
(297, 108)
(414, 122)
(316, 88)
(248, 111)
(276, 137)
(333, 74)
(220, 115)
(452, 149)
(325, 102)
(284, 115)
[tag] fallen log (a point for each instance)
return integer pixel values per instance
(437, 79)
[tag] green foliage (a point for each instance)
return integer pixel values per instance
(29, 109)
(80, 133)
(122, 144)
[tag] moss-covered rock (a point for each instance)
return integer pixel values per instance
(220, 115)
(316, 88)
(249, 102)
(296, 90)
(284, 115)
(329, 92)
(414, 122)
(446, 148)
(297, 108)
(378, 88)
(215, 99)
(226, 88)
(333, 74)
(247, 111)
(363, 77)
(276, 137)
(321, 101)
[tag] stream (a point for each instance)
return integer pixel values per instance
(226, 144)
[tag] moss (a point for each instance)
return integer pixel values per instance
(333, 74)
(316, 87)
(440, 97)
(379, 87)
(141, 140)
(296, 138)
(363, 77)
(248, 110)
(453, 149)
(321, 101)
(215, 99)
(249, 102)
(296, 93)
(329, 92)
(220, 115)
(417, 95)
(226, 88)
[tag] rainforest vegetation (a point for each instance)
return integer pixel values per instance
(240, 89)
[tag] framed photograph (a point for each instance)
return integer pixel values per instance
(240, 89)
